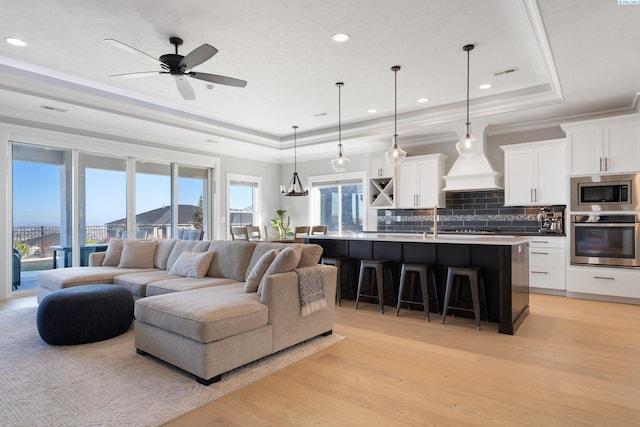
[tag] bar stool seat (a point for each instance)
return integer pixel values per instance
(424, 272)
(476, 283)
(339, 262)
(379, 266)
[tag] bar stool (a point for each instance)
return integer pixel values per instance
(338, 262)
(476, 283)
(422, 271)
(379, 267)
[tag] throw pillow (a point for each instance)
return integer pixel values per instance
(287, 260)
(255, 276)
(137, 254)
(311, 254)
(192, 264)
(114, 251)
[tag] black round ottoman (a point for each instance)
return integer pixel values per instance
(84, 314)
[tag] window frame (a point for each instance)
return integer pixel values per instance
(336, 179)
(256, 181)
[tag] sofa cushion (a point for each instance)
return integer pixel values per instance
(286, 260)
(231, 259)
(137, 283)
(137, 254)
(255, 276)
(192, 264)
(311, 254)
(191, 314)
(74, 276)
(113, 253)
(180, 284)
(185, 246)
(163, 250)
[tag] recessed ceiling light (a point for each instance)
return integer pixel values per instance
(485, 86)
(340, 37)
(372, 111)
(15, 42)
(423, 100)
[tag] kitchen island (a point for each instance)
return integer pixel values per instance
(504, 261)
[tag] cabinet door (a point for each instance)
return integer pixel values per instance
(622, 149)
(550, 188)
(406, 189)
(379, 167)
(427, 186)
(585, 148)
(518, 173)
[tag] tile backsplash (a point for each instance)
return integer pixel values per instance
(470, 211)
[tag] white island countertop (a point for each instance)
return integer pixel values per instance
(461, 239)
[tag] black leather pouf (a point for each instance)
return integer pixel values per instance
(84, 314)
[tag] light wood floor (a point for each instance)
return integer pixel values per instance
(572, 363)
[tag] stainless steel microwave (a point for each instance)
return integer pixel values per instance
(599, 193)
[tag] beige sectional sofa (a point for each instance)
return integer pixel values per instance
(211, 306)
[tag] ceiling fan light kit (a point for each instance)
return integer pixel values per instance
(179, 66)
(468, 146)
(395, 155)
(340, 163)
(295, 186)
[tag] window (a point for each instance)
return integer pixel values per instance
(153, 201)
(242, 200)
(193, 198)
(338, 204)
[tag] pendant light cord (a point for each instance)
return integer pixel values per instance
(295, 149)
(340, 116)
(395, 101)
(468, 90)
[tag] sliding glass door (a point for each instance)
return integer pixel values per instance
(41, 189)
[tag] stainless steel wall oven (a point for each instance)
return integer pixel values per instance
(608, 240)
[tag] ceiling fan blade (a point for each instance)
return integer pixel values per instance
(197, 56)
(134, 75)
(185, 89)
(222, 80)
(130, 49)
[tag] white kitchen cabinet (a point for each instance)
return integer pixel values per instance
(612, 282)
(419, 182)
(535, 173)
(547, 263)
(380, 168)
(603, 147)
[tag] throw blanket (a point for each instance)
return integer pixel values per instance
(311, 286)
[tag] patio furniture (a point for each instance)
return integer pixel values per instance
(17, 259)
(84, 314)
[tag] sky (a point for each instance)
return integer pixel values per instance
(37, 194)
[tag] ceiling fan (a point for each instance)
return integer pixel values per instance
(179, 66)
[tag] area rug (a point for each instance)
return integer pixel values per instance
(107, 383)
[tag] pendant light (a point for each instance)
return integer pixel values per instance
(468, 146)
(295, 179)
(395, 155)
(340, 163)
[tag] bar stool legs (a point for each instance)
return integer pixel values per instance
(476, 283)
(338, 262)
(423, 273)
(379, 267)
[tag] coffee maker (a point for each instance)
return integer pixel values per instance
(551, 220)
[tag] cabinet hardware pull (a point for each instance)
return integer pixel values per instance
(531, 194)
(535, 194)
(539, 241)
(540, 272)
(604, 278)
(606, 164)
(600, 164)
(540, 253)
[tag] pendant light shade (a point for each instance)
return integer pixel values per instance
(295, 186)
(395, 155)
(468, 147)
(340, 163)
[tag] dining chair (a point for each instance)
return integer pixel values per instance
(253, 232)
(318, 229)
(271, 232)
(300, 233)
(239, 233)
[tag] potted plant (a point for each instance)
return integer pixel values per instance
(279, 221)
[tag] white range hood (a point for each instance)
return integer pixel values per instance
(473, 173)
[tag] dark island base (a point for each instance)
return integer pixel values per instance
(505, 269)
